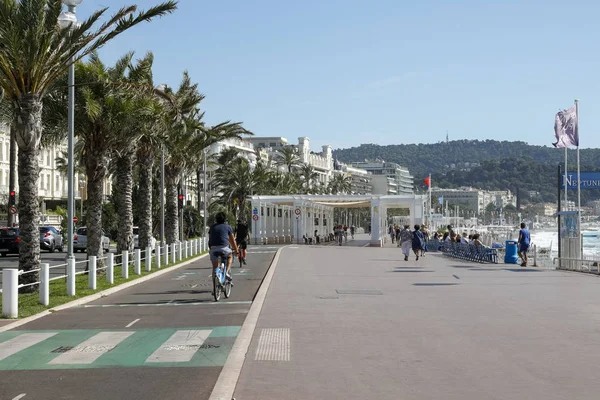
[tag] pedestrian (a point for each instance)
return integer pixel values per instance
(523, 243)
(417, 241)
(405, 241)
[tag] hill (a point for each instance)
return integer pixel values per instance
(488, 164)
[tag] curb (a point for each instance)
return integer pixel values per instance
(228, 378)
(96, 296)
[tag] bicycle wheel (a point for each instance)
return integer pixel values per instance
(227, 288)
(216, 285)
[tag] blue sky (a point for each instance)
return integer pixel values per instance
(346, 72)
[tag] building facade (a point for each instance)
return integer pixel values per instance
(403, 181)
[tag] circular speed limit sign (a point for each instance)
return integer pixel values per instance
(297, 211)
(255, 217)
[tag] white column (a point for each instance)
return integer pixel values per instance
(10, 293)
(174, 253)
(71, 277)
(92, 273)
(158, 249)
(45, 283)
(376, 237)
(180, 250)
(125, 264)
(149, 258)
(137, 262)
(275, 223)
(166, 255)
(110, 268)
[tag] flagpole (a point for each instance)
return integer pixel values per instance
(430, 204)
(565, 182)
(578, 177)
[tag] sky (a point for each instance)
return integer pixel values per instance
(346, 72)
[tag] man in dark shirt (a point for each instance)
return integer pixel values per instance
(242, 234)
(524, 242)
(220, 237)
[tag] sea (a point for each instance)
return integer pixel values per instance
(549, 240)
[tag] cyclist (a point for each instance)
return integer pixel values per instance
(220, 239)
(352, 229)
(339, 231)
(242, 235)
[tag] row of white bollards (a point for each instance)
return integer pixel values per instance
(177, 251)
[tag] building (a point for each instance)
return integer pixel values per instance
(361, 179)
(475, 199)
(403, 180)
(264, 142)
(384, 185)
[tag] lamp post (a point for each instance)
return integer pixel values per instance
(68, 20)
(204, 216)
(162, 198)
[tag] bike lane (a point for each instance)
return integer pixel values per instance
(165, 338)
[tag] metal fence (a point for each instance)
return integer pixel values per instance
(163, 255)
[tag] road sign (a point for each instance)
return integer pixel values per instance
(13, 210)
(297, 211)
(255, 211)
(75, 219)
(255, 217)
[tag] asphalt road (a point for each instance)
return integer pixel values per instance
(162, 339)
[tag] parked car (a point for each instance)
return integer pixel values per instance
(136, 239)
(50, 239)
(9, 241)
(80, 240)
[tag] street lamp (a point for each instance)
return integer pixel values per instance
(68, 20)
(204, 216)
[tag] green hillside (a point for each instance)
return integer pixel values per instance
(498, 165)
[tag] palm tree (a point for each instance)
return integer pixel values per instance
(34, 52)
(308, 176)
(288, 157)
(7, 117)
(340, 184)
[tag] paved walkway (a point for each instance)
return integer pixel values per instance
(360, 323)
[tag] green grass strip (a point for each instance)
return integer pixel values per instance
(29, 302)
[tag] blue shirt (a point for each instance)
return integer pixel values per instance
(524, 237)
(218, 235)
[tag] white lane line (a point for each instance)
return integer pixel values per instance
(273, 345)
(22, 342)
(193, 286)
(180, 347)
(90, 350)
(20, 396)
(206, 303)
(129, 325)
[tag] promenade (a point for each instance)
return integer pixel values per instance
(361, 323)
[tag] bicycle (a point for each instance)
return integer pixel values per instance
(219, 277)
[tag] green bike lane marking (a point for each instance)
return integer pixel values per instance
(131, 352)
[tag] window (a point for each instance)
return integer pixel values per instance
(48, 182)
(48, 158)
(272, 144)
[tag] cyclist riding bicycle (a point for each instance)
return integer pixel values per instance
(242, 235)
(220, 239)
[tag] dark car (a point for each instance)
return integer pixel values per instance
(50, 239)
(9, 241)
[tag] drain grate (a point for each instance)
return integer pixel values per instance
(359, 291)
(62, 349)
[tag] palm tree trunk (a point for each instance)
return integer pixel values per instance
(28, 132)
(146, 165)
(124, 202)
(95, 172)
(171, 220)
(12, 169)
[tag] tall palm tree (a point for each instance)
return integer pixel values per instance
(34, 52)
(308, 176)
(288, 157)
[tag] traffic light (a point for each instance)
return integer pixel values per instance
(11, 198)
(180, 198)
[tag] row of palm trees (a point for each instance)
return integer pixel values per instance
(236, 178)
(122, 118)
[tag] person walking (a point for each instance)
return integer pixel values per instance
(523, 243)
(405, 238)
(417, 241)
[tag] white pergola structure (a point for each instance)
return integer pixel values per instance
(287, 219)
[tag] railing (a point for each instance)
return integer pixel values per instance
(470, 252)
(588, 265)
(174, 252)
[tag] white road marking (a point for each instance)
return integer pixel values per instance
(129, 325)
(20, 396)
(273, 345)
(22, 342)
(193, 286)
(90, 350)
(180, 347)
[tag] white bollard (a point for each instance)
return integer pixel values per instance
(174, 253)
(137, 262)
(125, 264)
(110, 268)
(180, 251)
(166, 255)
(148, 259)
(45, 284)
(10, 293)
(92, 273)
(196, 242)
(71, 277)
(158, 248)
(185, 249)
